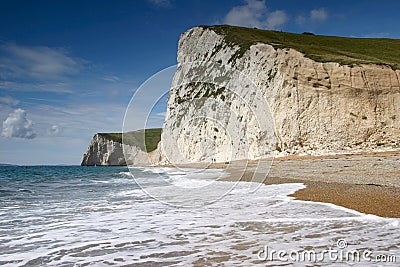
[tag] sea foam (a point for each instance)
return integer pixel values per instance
(118, 223)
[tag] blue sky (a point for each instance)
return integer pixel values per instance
(68, 69)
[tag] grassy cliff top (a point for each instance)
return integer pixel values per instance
(152, 138)
(343, 50)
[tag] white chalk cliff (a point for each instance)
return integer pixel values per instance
(229, 103)
(215, 112)
(103, 151)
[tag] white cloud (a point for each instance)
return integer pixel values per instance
(36, 62)
(318, 14)
(301, 20)
(54, 130)
(276, 19)
(255, 14)
(315, 15)
(9, 100)
(77, 120)
(55, 87)
(17, 125)
(249, 15)
(111, 78)
(45, 69)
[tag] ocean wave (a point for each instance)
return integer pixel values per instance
(183, 182)
(116, 223)
(24, 190)
(126, 174)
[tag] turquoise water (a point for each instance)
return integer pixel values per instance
(99, 216)
(25, 185)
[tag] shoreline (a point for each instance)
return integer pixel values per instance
(368, 183)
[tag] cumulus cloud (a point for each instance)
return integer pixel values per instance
(255, 14)
(9, 100)
(276, 18)
(249, 15)
(17, 125)
(318, 14)
(315, 15)
(36, 62)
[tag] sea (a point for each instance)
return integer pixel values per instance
(115, 216)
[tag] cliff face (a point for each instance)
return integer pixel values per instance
(227, 103)
(103, 151)
(230, 101)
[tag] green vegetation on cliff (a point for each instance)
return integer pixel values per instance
(343, 50)
(151, 138)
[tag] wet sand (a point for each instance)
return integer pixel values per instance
(369, 183)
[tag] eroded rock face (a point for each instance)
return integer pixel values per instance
(105, 152)
(227, 103)
(312, 107)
